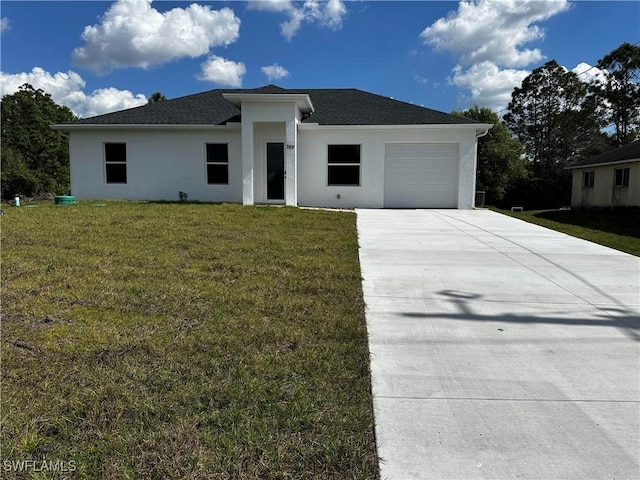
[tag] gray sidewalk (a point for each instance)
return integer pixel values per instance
(499, 349)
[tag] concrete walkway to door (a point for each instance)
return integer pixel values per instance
(499, 349)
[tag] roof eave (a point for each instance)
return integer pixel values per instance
(66, 127)
(603, 164)
(478, 127)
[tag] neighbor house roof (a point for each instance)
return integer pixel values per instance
(627, 153)
(348, 106)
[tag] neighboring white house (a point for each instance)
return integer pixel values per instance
(611, 179)
(315, 147)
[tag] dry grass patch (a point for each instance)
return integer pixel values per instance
(185, 341)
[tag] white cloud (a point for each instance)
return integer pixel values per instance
(133, 34)
(493, 30)
(66, 88)
(109, 99)
(222, 71)
(275, 72)
(487, 37)
(291, 26)
(587, 73)
(4, 24)
(326, 13)
(490, 86)
(420, 79)
(271, 5)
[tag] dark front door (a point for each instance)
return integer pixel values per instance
(275, 171)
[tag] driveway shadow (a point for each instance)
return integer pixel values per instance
(624, 319)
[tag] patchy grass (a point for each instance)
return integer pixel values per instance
(186, 341)
(615, 228)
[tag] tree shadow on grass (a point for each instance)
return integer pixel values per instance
(621, 318)
(620, 221)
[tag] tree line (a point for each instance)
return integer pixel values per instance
(554, 119)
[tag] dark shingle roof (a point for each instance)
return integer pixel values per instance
(207, 108)
(267, 89)
(630, 151)
(332, 107)
(356, 107)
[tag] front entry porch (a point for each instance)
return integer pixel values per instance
(269, 145)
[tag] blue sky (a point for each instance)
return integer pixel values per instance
(96, 56)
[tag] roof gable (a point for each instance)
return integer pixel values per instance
(348, 106)
(267, 89)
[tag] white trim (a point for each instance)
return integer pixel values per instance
(439, 126)
(480, 133)
(301, 126)
(302, 100)
(422, 142)
(119, 126)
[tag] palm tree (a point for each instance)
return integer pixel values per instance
(157, 97)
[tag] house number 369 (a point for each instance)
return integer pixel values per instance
(290, 147)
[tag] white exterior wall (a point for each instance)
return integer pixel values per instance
(603, 193)
(633, 192)
(160, 163)
(312, 167)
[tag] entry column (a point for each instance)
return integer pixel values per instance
(247, 162)
(291, 162)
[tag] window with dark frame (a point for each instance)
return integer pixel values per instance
(343, 165)
(217, 164)
(621, 177)
(588, 179)
(115, 160)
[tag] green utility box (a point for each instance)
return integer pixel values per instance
(65, 200)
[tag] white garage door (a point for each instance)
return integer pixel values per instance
(421, 175)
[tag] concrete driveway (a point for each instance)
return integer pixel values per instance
(499, 349)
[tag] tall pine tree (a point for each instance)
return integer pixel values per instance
(555, 118)
(619, 94)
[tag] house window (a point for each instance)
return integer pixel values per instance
(344, 165)
(115, 159)
(621, 177)
(217, 163)
(588, 179)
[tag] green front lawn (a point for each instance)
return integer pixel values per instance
(186, 341)
(615, 228)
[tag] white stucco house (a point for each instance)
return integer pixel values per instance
(610, 179)
(340, 148)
